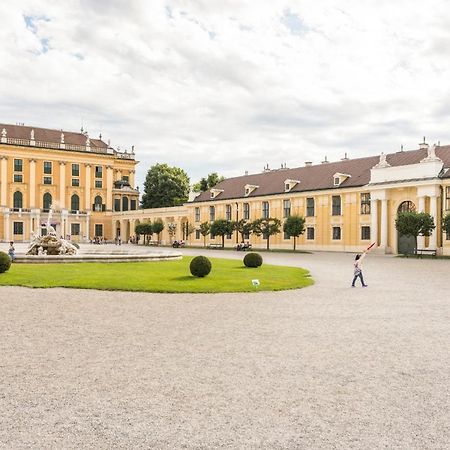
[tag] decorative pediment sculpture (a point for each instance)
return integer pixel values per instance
(382, 163)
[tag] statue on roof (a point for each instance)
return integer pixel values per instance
(62, 138)
(4, 132)
(32, 135)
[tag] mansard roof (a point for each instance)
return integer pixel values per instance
(318, 177)
(51, 136)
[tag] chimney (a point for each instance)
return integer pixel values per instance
(308, 163)
(345, 158)
(246, 172)
(325, 161)
(423, 145)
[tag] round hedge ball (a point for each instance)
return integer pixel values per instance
(253, 260)
(200, 266)
(5, 262)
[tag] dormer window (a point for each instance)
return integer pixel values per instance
(289, 184)
(215, 192)
(249, 188)
(339, 178)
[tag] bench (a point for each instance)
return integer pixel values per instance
(214, 245)
(426, 251)
(153, 243)
(422, 251)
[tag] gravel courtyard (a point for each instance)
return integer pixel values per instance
(326, 367)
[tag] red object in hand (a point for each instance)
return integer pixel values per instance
(370, 246)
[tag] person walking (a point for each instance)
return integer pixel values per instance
(358, 269)
(12, 251)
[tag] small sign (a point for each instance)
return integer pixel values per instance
(256, 283)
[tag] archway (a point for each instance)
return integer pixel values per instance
(406, 244)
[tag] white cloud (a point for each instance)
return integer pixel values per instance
(229, 86)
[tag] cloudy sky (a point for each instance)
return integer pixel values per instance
(228, 86)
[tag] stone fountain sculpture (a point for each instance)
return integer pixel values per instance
(50, 244)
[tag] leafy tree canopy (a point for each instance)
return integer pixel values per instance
(266, 227)
(165, 186)
(222, 227)
(415, 224)
(207, 183)
(294, 226)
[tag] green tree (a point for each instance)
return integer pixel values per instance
(243, 227)
(446, 224)
(165, 186)
(205, 229)
(294, 226)
(172, 229)
(221, 227)
(207, 183)
(158, 226)
(266, 227)
(188, 230)
(414, 224)
(145, 230)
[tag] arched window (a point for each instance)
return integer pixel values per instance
(47, 201)
(406, 206)
(17, 200)
(98, 202)
(75, 203)
(125, 204)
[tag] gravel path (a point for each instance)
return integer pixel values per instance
(326, 367)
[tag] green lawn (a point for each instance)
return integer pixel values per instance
(166, 276)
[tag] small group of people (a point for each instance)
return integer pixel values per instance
(134, 239)
(243, 246)
(98, 240)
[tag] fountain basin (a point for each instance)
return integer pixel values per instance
(97, 257)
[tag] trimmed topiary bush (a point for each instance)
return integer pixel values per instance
(5, 262)
(200, 266)
(253, 260)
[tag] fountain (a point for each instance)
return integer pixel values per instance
(50, 244)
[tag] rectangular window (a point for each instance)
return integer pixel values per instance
(212, 213)
(265, 210)
(197, 214)
(75, 170)
(98, 184)
(310, 207)
(75, 229)
(75, 182)
(448, 198)
(336, 205)
(98, 171)
(18, 165)
(98, 229)
(246, 211)
(265, 235)
(18, 178)
(310, 233)
(286, 236)
(197, 234)
(47, 180)
(336, 233)
(247, 235)
(365, 203)
(126, 178)
(47, 167)
(117, 204)
(365, 233)
(228, 236)
(133, 205)
(228, 212)
(18, 227)
(286, 208)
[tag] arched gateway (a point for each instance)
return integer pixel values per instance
(406, 244)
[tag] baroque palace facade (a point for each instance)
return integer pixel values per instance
(347, 204)
(82, 180)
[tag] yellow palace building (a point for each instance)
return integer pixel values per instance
(347, 204)
(83, 180)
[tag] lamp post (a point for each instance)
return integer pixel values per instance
(237, 220)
